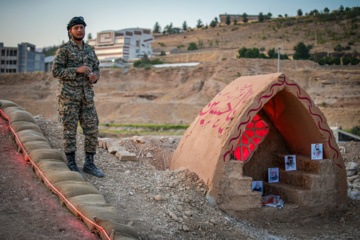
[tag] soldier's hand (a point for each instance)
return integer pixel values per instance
(93, 77)
(83, 69)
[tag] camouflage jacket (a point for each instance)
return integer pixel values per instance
(68, 58)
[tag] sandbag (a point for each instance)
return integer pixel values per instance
(7, 103)
(35, 145)
(10, 110)
(30, 135)
(117, 230)
(72, 188)
(23, 125)
(88, 198)
(20, 116)
(55, 176)
(44, 154)
(52, 164)
(101, 210)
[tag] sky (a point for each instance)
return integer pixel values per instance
(43, 22)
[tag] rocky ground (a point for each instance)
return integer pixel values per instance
(162, 204)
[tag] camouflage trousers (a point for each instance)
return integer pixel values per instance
(71, 112)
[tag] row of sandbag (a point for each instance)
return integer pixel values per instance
(80, 197)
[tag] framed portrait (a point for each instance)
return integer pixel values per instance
(316, 151)
(257, 186)
(273, 175)
(290, 162)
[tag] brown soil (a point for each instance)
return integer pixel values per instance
(162, 204)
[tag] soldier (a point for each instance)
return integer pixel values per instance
(77, 68)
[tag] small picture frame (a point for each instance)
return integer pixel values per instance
(316, 151)
(273, 175)
(290, 162)
(257, 186)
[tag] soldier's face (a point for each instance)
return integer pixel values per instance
(77, 32)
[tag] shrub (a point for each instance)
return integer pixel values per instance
(338, 48)
(156, 61)
(137, 63)
(192, 46)
(356, 130)
(162, 53)
(161, 44)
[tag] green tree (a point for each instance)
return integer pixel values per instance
(216, 20)
(286, 15)
(213, 24)
(227, 21)
(157, 28)
(341, 9)
(235, 21)
(299, 13)
(268, 16)
(261, 17)
(272, 53)
(245, 17)
(162, 53)
(169, 28)
(199, 24)
(184, 26)
(301, 51)
(192, 46)
(326, 10)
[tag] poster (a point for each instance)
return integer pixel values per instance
(273, 174)
(316, 151)
(290, 162)
(257, 186)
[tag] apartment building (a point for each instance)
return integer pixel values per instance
(22, 58)
(238, 17)
(129, 43)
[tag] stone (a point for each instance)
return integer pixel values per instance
(149, 155)
(352, 178)
(138, 139)
(350, 173)
(179, 208)
(185, 228)
(158, 198)
(102, 142)
(188, 213)
(114, 146)
(352, 166)
(125, 156)
(172, 215)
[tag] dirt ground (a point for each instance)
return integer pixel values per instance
(161, 204)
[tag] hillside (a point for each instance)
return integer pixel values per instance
(176, 95)
(323, 33)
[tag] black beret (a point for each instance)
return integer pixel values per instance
(76, 20)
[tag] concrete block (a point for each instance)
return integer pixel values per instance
(125, 156)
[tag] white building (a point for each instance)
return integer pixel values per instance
(129, 43)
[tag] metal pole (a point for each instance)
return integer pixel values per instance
(279, 59)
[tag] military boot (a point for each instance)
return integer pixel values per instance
(89, 166)
(71, 163)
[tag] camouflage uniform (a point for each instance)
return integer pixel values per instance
(76, 95)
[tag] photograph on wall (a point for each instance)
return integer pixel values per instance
(273, 174)
(317, 151)
(257, 186)
(290, 163)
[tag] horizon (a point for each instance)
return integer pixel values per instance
(37, 23)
